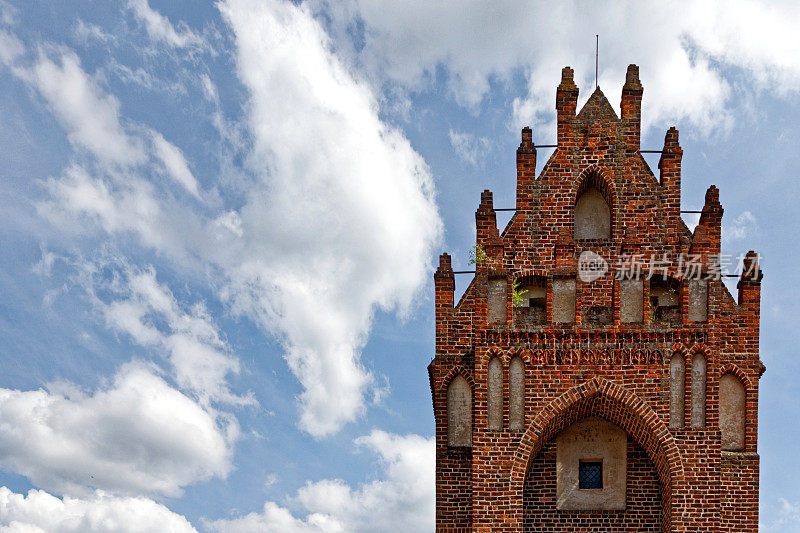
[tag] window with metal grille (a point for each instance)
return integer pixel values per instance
(590, 475)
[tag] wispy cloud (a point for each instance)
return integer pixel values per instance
(470, 148)
(160, 29)
(739, 228)
(174, 163)
(350, 220)
(787, 519)
(90, 116)
(86, 32)
(133, 302)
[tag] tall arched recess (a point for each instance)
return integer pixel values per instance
(459, 413)
(594, 205)
(494, 400)
(612, 402)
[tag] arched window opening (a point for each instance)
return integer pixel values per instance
(698, 391)
(731, 412)
(459, 412)
(665, 301)
(530, 300)
(516, 392)
(677, 396)
(495, 394)
(592, 216)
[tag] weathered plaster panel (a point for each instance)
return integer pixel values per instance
(459, 412)
(677, 390)
(698, 300)
(591, 439)
(631, 293)
(731, 412)
(563, 300)
(495, 389)
(496, 314)
(698, 391)
(592, 216)
(516, 390)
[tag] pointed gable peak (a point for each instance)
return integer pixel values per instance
(597, 108)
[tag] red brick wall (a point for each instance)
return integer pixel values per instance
(618, 371)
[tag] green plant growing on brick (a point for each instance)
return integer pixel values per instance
(477, 255)
(518, 296)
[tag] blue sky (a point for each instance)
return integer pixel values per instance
(219, 222)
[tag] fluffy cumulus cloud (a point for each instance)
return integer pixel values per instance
(40, 512)
(403, 500)
(338, 217)
(136, 435)
(344, 218)
(684, 59)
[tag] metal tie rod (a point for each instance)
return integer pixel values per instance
(472, 272)
(556, 146)
(514, 209)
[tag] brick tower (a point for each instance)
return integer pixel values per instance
(597, 375)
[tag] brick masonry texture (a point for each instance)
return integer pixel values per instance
(680, 478)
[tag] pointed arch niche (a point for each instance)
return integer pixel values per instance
(593, 208)
(459, 412)
(649, 440)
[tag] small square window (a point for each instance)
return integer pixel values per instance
(590, 475)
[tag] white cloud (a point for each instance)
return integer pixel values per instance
(402, 501)
(209, 88)
(137, 435)
(338, 217)
(786, 519)
(174, 163)
(90, 116)
(8, 13)
(86, 32)
(115, 205)
(468, 147)
(10, 48)
(135, 303)
(159, 28)
(683, 57)
(40, 512)
(739, 227)
(349, 221)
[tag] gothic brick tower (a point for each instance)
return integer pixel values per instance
(597, 375)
